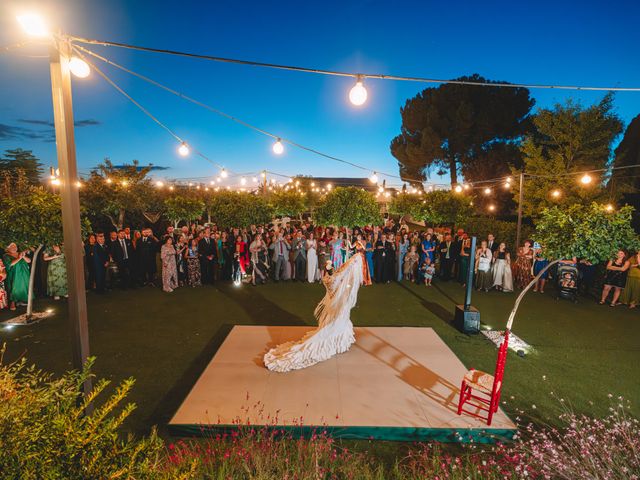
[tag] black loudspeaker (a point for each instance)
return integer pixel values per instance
(467, 321)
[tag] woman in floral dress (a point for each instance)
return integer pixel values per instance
(336, 250)
(56, 273)
(192, 258)
(523, 265)
(169, 268)
(4, 299)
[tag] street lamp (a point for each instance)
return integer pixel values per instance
(33, 25)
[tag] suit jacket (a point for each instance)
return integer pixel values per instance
(100, 255)
(206, 249)
(148, 250)
(493, 247)
(275, 246)
(451, 248)
(117, 253)
(299, 248)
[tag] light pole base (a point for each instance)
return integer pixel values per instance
(467, 320)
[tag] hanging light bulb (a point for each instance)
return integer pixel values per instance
(278, 147)
(609, 208)
(458, 188)
(586, 179)
(223, 173)
(492, 208)
(358, 94)
(108, 180)
(159, 184)
(380, 189)
(374, 178)
(243, 181)
(329, 186)
(183, 149)
(254, 180)
(79, 67)
(487, 191)
(33, 24)
(466, 186)
(556, 194)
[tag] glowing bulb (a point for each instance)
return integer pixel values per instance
(243, 181)
(358, 94)
(487, 191)
(79, 67)
(458, 189)
(254, 180)
(313, 184)
(159, 184)
(33, 24)
(492, 208)
(124, 183)
(278, 147)
(329, 186)
(191, 184)
(586, 179)
(466, 186)
(183, 149)
(609, 208)
(555, 193)
(108, 180)
(171, 188)
(223, 173)
(55, 181)
(78, 184)
(212, 182)
(374, 178)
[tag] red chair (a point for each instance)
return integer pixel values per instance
(488, 387)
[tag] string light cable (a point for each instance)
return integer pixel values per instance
(233, 118)
(319, 71)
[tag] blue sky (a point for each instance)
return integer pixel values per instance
(585, 43)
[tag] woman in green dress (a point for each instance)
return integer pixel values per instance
(631, 293)
(56, 273)
(17, 265)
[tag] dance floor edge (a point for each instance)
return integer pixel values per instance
(395, 383)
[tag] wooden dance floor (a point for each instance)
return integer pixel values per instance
(395, 383)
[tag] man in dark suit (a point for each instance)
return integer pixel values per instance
(121, 251)
(492, 243)
(446, 251)
(100, 262)
(207, 249)
(148, 247)
(300, 256)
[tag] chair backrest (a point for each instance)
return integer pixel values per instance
(502, 359)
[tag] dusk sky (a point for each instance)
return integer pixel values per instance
(578, 43)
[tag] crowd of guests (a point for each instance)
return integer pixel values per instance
(198, 255)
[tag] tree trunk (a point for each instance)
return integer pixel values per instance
(120, 219)
(32, 277)
(453, 171)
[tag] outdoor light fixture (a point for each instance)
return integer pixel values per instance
(223, 173)
(374, 178)
(183, 149)
(466, 186)
(79, 67)
(556, 193)
(358, 94)
(33, 24)
(243, 181)
(458, 189)
(108, 180)
(278, 147)
(159, 184)
(254, 180)
(487, 191)
(124, 183)
(609, 208)
(380, 189)
(492, 208)
(586, 179)
(329, 186)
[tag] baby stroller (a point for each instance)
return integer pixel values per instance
(567, 283)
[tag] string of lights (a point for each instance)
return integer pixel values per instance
(358, 76)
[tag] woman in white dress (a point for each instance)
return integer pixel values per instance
(335, 331)
(502, 278)
(312, 259)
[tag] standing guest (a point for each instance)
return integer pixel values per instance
(181, 248)
(523, 265)
(4, 298)
(403, 248)
(192, 258)
(336, 250)
(502, 278)
(587, 275)
(458, 240)
(463, 258)
(447, 257)
(258, 251)
(134, 262)
(113, 237)
(289, 266)
(280, 257)
(170, 233)
(100, 262)
(379, 258)
(492, 244)
(56, 273)
(121, 253)
(148, 248)
(369, 253)
(615, 277)
(428, 271)
(300, 256)
(484, 259)
(323, 255)
(361, 249)
(539, 263)
(207, 250)
(389, 259)
(410, 264)
(312, 259)
(631, 294)
(242, 253)
(90, 268)
(169, 268)
(17, 266)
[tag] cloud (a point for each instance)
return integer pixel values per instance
(47, 134)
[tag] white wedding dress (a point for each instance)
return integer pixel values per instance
(312, 261)
(335, 331)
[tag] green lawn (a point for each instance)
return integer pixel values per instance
(585, 351)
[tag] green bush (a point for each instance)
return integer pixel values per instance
(44, 433)
(503, 231)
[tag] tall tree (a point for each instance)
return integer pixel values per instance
(627, 153)
(452, 127)
(568, 138)
(22, 160)
(180, 207)
(348, 207)
(113, 191)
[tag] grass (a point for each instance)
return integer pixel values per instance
(164, 341)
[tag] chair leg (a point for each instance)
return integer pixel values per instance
(462, 400)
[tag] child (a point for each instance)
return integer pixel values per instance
(428, 271)
(410, 261)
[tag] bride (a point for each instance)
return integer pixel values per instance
(335, 331)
